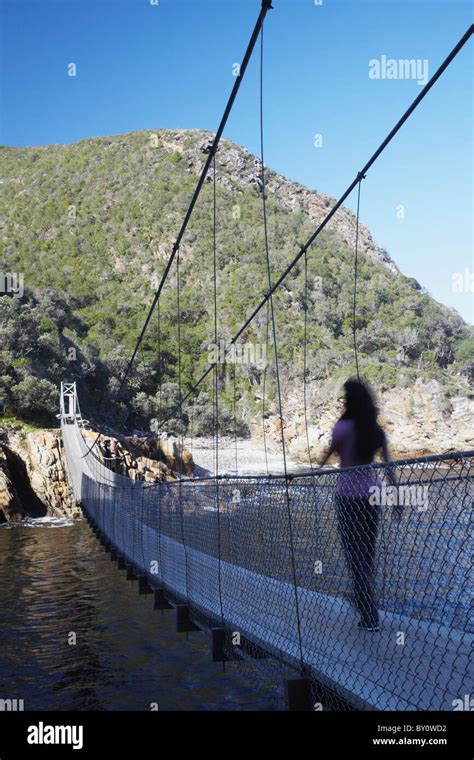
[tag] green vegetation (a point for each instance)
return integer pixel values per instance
(10, 421)
(91, 227)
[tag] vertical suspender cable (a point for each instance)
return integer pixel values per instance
(354, 305)
(234, 382)
(160, 487)
(264, 388)
(261, 517)
(305, 355)
(142, 492)
(191, 428)
(142, 524)
(454, 52)
(277, 371)
(216, 385)
(266, 6)
(160, 380)
(180, 425)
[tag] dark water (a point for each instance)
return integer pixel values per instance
(56, 579)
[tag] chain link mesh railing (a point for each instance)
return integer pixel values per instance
(399, 561)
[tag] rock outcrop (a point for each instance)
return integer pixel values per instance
(153, 460)
(44, 459)
(238, 167)
(165, 449)
(33, 479)
(419, 420)
(10, 505)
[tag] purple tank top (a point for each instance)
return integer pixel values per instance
(355, 483)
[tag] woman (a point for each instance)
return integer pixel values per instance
(356, 438)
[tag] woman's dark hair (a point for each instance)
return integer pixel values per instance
(360, 407)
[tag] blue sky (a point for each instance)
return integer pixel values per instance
(143, 66)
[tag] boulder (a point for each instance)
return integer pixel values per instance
(10, 507)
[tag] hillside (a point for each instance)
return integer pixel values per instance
(91, 225)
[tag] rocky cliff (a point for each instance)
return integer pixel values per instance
(33, 479)
(153, 460)
(10, 505)
(238, 168)
(419, 420)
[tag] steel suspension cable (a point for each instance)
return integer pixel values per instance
(234, 404)
(191, 428)
(339, 203)
(277, 369)
(160, 402)
(266, 6)
(354, 305)
(216, 342)
(216, 387)
(305, 356)
(142, 490)
(180, 424)
(264, 387)
(160, 380)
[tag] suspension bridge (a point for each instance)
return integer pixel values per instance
(218, 550)
(258, 561)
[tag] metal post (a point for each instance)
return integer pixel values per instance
(218, 640)
(159, 600)
(183, 621)
(298, 694)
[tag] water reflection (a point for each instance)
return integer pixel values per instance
(56, 583)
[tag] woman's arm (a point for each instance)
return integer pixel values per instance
(326, 455)
(334, 444)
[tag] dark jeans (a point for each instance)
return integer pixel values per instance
(358, 523)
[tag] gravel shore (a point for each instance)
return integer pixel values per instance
(245, 458)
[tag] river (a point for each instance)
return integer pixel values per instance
(57, 587)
